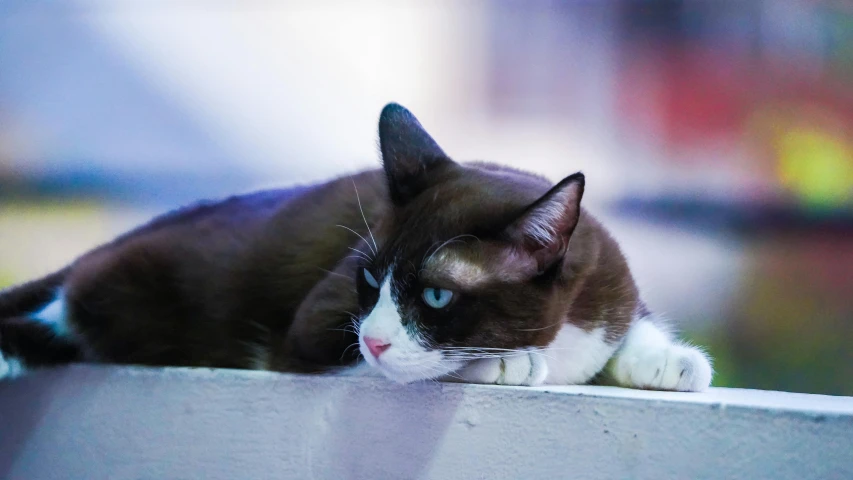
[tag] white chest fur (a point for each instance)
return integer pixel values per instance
(575, 355)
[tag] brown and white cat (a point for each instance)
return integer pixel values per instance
(429, 269)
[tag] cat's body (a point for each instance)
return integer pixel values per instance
(431, 268)
(214, 284)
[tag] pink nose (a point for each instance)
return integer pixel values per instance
(376, 346)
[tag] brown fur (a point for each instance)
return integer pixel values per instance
(270, 281)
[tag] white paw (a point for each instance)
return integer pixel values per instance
(528, 368)
(10, 368)
(4, 367)
(675, 367)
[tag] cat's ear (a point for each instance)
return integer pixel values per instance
(543, 230)
(409, 154)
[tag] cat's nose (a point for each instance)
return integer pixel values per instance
(376, 346)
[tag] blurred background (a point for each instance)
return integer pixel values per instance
(717, 136)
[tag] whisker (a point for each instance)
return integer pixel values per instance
(346, 350)
(359, 251)
(457, 347)
(520, 349)
(540, 328)
(446, 243)
(474, 353)
(356, 325)
(437, 373)
(353, 231)
(484, 357)
(335, 273)
(451, 374)
(429, 250)
(358, 198)
(347, 329)
(486, 348)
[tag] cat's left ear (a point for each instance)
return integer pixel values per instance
(409, 154)
(545, 227)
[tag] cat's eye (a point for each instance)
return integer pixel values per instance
(437, 297)
(370, 279)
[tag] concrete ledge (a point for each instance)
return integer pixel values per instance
(119, 422)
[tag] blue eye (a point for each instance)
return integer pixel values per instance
(370, 279)
(437, 297)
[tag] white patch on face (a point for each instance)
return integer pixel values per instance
(575, 355)
(406, 360)
(54, 315)
(10, 367)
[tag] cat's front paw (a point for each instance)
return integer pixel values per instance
(9, 368)
(676, 367)
(4, 367)
(527, 368)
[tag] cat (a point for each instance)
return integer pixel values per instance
(426, 268)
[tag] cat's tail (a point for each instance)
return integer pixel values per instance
(31, 333)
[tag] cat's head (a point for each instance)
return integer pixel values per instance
(471, 261)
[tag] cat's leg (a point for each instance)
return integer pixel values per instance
(324, 329)
(26, 344)
(32, 326)
(651, 358)
(575, 356)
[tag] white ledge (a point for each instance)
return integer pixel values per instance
(123, 422)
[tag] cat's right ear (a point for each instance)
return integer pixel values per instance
(543, 230)
(409, 154)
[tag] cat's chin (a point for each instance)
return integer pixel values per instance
(417, 374)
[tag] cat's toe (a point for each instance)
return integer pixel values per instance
(677, 367)
(484, 370)
(694, 370)
(529, 368)
(9, 368)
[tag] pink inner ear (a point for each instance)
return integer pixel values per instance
(545, 227)
(544, 224)
(552, 221)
